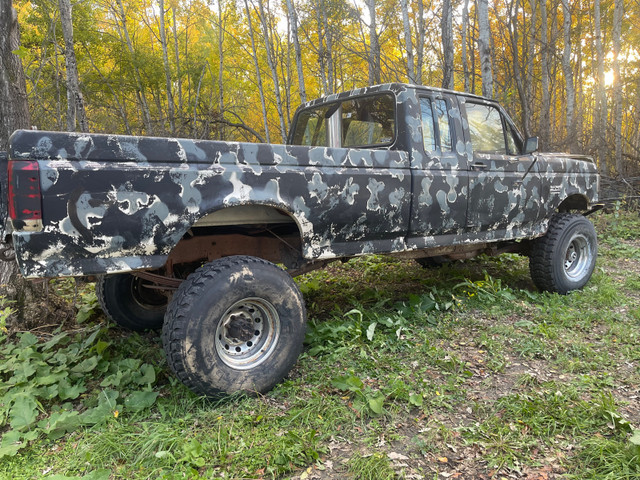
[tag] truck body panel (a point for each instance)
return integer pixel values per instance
(113, 203)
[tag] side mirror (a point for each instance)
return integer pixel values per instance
(531, 145)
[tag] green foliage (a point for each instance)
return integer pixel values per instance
(51, 388)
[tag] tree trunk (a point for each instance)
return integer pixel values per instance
(374, 45)
(176, 51)
(567, 71)
(221, 129)
(293, 20)
(75, 101)
(446, 28)
(420, 43)
(618, 12)
(14, 114)
(544, 68)
(517, 67)
(598, 133)
(271, 61)
(331, 83)
(408, 42)
(258, 75)
(167, 69)
(142, 98)
(484, 48)
(465, 61)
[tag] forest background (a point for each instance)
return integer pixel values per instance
(568, 71)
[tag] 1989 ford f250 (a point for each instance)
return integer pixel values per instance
(186, 234)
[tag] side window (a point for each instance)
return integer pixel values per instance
(428, 130)
(436, 129)
(368, 121)
(442, 116)
(485, 129)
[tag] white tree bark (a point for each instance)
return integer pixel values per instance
(293, 20)
(408, 42)
(545, 108)
(75, 101)
(598, 134)
(567, 71)
(618, 13)
(374, 45)
(446, 29)
(271, 61)
(142, 98)
(258, 75)
(167, 68)
(465, 60)
(484, 48)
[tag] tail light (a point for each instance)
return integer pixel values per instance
(25, 201)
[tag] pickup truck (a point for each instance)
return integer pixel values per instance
(202, 238)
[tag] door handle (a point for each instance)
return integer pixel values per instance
(478, 166)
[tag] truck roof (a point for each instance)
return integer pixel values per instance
(394, 87)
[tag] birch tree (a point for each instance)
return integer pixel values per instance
(618, 12)
(167, 69)
(465, 60)
(567, 70)
(408, 42)
(75, 100)
(446, 28)
(599, 129)
(484, 48)
(374, 45)
(293, 20)
(544, 126)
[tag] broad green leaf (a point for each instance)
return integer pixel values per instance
(27, 340)
(86, 365)
(23, 412)
(635, 438)
(11, 442)
(60, 423)
(66, 391)
(348, 382)
(416, 399)
(375, 404)
(140, 400)
(147, 375)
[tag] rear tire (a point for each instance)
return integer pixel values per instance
(236, 324)
(127, 302)
(563, 260)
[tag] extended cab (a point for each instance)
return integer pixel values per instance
(185, 234)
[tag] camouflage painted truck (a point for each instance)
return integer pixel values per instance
(187, 235)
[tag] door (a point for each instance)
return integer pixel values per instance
(501, 180)
(439, 173)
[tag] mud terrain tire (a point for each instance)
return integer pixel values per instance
(236, 324)
(563, 260)
(128, 303)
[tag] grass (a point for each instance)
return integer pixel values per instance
(465, 370)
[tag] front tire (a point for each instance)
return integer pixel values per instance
(236, 324)
(126, 300)
(563, 260)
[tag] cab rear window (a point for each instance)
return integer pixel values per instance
(357, 122)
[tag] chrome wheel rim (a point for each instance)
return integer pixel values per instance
(247, 333)
(577, 258)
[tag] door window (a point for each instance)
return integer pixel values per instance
(436, 129)
(485, 129)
